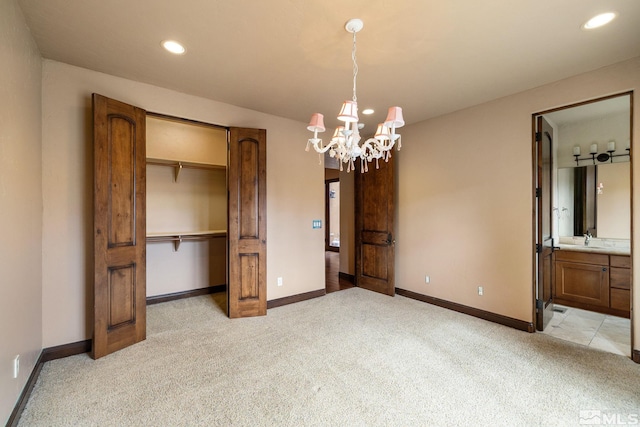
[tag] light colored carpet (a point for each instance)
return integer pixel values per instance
(351, 358)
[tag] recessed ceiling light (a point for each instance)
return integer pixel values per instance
(599, 20)
(173, 47)
(368, 111)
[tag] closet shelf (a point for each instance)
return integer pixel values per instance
(178, 165)
(191, 236)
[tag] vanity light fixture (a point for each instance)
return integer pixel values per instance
(173, 47)
(599, 20)
(345, 143)
(602, 157)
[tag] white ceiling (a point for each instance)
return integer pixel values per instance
(292, 57)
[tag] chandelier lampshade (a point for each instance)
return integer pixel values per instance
(394, 118)
(317, 123)
(345, 143)
(382, 133)
(338, 134)
(349, 112)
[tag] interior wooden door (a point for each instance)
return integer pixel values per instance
(119, 226)
(544, 235)
(375, 244)
(247, 223)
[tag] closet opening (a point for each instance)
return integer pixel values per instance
(186, 209)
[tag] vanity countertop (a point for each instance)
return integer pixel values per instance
(596, 249)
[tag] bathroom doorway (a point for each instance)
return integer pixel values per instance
(589, 271)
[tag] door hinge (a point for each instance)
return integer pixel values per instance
(538, 248)
(539, 304)
(538, 136)
(538, 192)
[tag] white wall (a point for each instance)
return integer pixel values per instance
(20, 204)
(295, 189)
(465, 206)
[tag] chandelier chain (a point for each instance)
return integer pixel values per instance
(347, 144)
(355, 67)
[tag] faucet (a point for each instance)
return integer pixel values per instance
(587, 238)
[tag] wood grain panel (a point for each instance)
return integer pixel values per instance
(620, 278)
(374, 214)
(374, 262)
(584, 283)
(622, 261)
(247, 223)
(375, 237)
(582, 257)
(119, 317)
(249, 170)
(374, 209)
(121, 168)
(122, 292)
(249, 268)
(620, 299)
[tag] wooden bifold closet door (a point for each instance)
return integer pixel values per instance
(120, 224)
(247, 223)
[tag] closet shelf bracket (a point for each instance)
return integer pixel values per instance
(178, 169)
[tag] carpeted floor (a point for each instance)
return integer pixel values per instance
(351, 358)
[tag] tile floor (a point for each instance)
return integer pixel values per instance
(596, 330)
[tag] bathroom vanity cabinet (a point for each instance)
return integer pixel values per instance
(620, 282)
(593, 281)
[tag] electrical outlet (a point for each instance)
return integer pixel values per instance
(16, 366)
(480, 290)
(279, 281)
(427, 279)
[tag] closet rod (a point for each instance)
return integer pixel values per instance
(178, 165)
(179, 238)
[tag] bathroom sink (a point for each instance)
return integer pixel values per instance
(593, 248)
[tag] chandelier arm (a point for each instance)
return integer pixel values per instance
(323, 149)
(374, 144)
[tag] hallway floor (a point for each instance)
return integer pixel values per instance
(333, 282)
(595, 330)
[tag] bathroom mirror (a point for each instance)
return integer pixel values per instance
(593, 185)
(595, 198)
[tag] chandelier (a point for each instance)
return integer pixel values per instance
(345, 144)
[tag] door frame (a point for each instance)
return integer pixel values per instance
(630, 93)
(543, 248)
